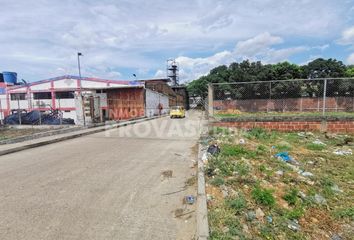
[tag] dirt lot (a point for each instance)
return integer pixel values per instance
(7, 133)
(304, 192)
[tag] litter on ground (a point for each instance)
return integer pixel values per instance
(280, 185)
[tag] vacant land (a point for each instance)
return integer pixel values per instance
(271, 185)
(8, 133)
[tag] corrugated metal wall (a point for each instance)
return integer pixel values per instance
(125, 103)
(156, 103)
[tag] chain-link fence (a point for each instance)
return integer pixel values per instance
(284, 97)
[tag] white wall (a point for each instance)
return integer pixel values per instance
(3, 105)
(41, 86)
(65, 103)
(65, 83)
(152, 102)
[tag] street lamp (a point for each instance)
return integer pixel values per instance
(78, 62)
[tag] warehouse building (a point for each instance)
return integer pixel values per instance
(86, 99)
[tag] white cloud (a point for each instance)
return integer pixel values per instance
(142, 34)
(350, 59)
(256, 45)
(257, 48)
(160, 74)
(347, 37)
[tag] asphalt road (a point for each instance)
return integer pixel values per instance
(103, 186)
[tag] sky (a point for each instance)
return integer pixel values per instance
(39, 39)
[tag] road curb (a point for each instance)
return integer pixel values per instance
(202, 209)
(75, 135)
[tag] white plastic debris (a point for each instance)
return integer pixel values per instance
(305, 174)
(318, 142)
(343, 152)
(279, 173)
(242, 141)
(205, 157)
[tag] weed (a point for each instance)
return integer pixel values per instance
(263, 196)
(295, 213)
(283, 148)
(315, 147)
(267, 232)
(327, 184)
(218, 235)
(237, 151)
(191, 181)
(261, 149)
(234, 227)
(291, 196)
(218, 181)
(345, 213)
(262, 168)
(219, 130)
(237, 204)
(259, 133)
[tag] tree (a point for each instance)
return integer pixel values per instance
(258, 73)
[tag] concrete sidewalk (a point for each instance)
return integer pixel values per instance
(15, 147)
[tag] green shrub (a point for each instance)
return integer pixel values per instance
(237, 204)
(291, 196)
(218, 181)
(263, 196)
(345, 213)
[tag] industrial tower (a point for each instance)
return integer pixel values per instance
(173, 71)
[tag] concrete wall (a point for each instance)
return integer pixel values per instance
(152, 102)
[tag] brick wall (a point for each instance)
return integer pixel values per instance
(335, 126)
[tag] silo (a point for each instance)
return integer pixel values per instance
(10, 77)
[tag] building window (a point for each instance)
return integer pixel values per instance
(18, 96)
(64, 95)
(42, 95)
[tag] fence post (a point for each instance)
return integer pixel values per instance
(19, 112)
(324, 97)
(210, 100)
(270, 96)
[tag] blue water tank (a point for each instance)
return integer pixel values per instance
(10, 77)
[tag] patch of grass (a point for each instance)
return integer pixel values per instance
(345, 213)
(263, 196)
(326, 185)
(237, 151)
(315, 147)
(237, 204)
(234, 227)
(259, 133)
(296, 213)
(218, 235)
(262, 168)
(218, 181)
(283, 148)
(191, 181)
(219, 130)
(261, 149)
(267, 232)
(291, 196)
